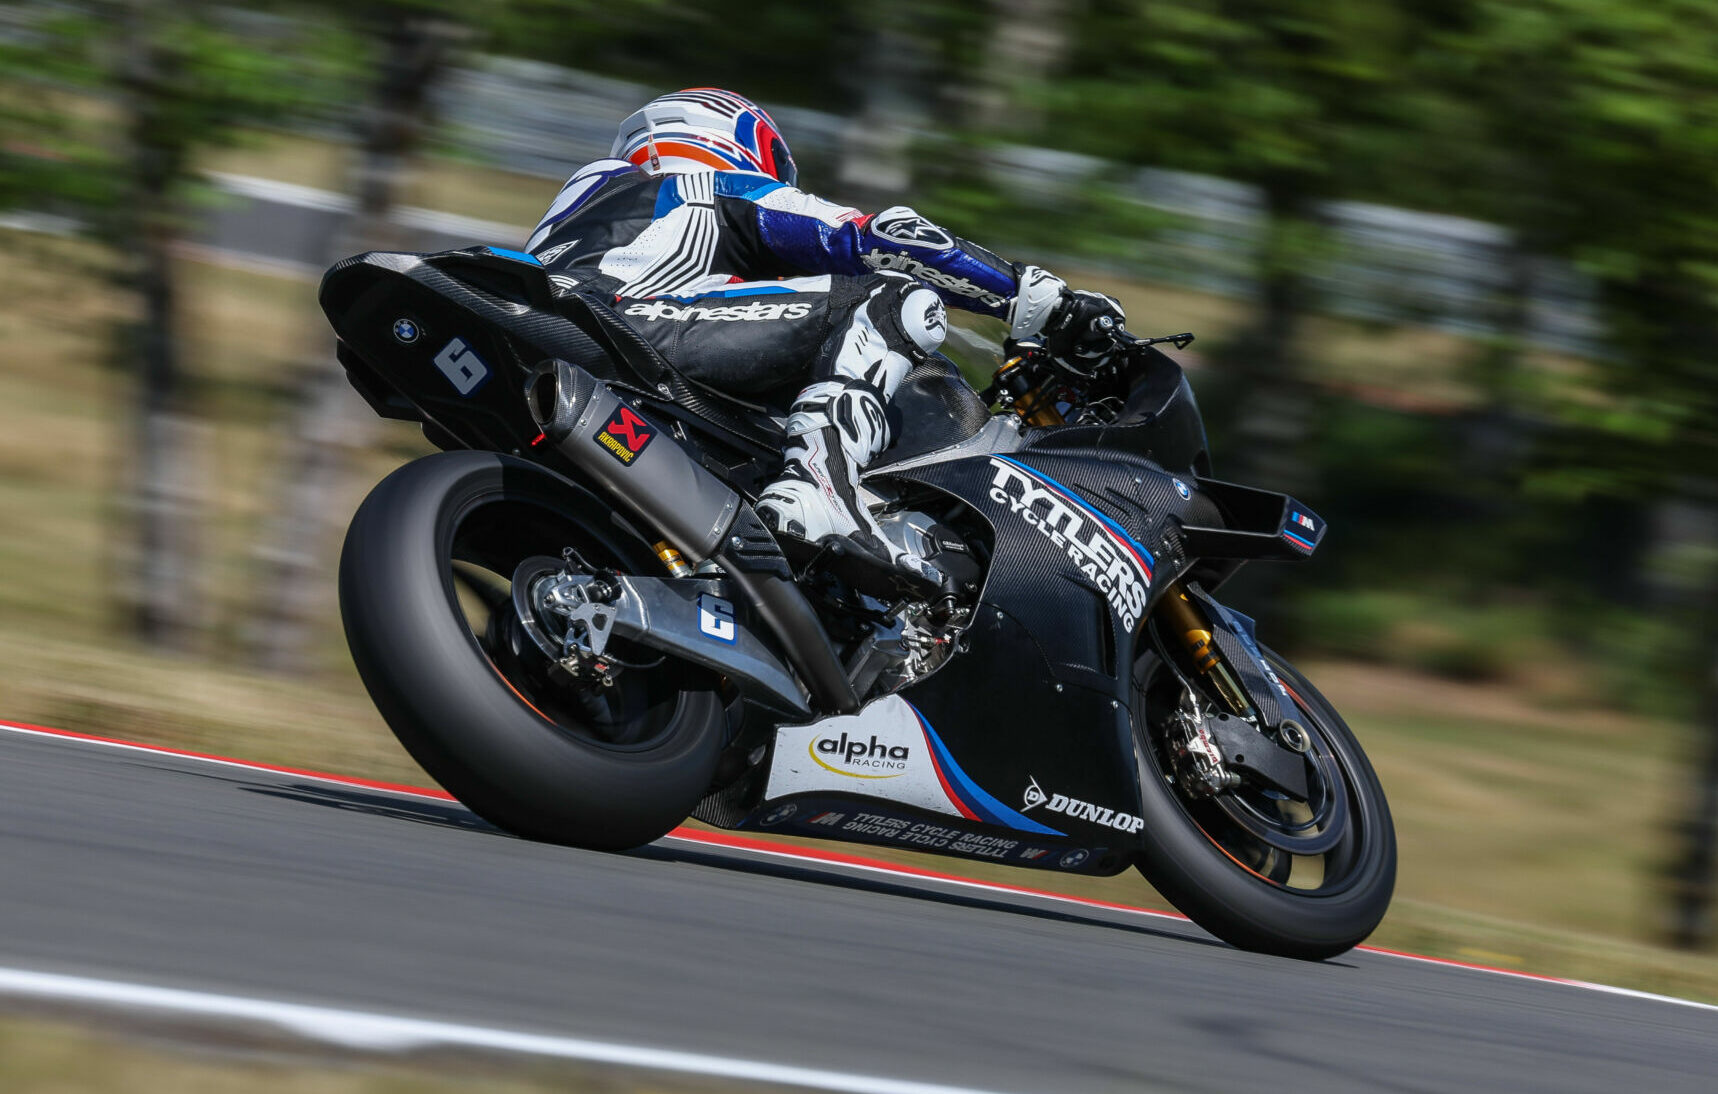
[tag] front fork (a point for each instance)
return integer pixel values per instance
(1183, 617)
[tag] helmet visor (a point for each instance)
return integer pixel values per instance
(781, 160)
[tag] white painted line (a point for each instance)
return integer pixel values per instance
(392, 1033)
(44, 223)
(792, 853)
(460, 227)
(283, 193)
(1631, 993)
(245, 262)
(410, 216)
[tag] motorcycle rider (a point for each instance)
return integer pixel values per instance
(697, 230)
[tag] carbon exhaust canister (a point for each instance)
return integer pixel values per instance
(616, 446)
(662, 483)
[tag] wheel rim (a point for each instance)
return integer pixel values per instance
(487, 540)
(1311, 849)
(1296, 829)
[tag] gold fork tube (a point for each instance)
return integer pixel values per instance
(1190, 626)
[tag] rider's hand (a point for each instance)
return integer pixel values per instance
(1081, 330)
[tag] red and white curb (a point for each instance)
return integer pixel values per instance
(855, 863)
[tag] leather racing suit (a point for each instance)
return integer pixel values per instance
(752, 286)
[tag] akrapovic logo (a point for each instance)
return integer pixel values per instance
(755, 312)
(1102, 558)
(859, 758)
(625, 435)
(930, 275)
(1079, 810)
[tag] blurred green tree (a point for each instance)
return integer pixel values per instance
(406, 46)
(1294, 97)
(1605, 124)
(107, 104)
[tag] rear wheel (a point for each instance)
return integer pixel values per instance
(426, 597)
(1254, 867)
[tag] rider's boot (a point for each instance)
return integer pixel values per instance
(837, 427)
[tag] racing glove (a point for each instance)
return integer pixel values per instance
(1082, 326)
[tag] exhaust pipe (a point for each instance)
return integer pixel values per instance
(613, 444)
(666, 487)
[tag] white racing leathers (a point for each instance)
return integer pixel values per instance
(756, 287)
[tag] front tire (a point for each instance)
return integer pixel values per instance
(563, 768)
(1240, 888)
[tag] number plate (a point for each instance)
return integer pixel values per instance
(462, 366)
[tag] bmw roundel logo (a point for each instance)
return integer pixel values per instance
(406, 331)
(779, 814)
(1181, 488)
(1076, 857)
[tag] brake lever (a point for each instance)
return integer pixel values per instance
(1179, 341)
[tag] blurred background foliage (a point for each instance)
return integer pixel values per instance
(1519, 473)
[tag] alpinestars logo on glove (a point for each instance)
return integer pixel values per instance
(625, 435)
(1105, 561)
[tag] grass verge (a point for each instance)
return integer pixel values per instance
(46, 1056)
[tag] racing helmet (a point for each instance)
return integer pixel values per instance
(704, 129)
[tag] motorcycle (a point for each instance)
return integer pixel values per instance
(574, 620)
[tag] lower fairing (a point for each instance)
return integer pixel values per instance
(884, 776)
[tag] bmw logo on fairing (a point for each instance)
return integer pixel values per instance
(1181, 488)
(406, 331)
(1074, 858)
(779, 814)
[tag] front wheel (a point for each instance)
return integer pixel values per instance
(426, 599)
(1254, 867)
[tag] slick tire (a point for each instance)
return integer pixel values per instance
(1244, 908)
(446, 700)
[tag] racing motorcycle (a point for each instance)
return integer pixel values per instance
(574, 620)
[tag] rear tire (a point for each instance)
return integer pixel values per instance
(1194, 855)
(477, 733)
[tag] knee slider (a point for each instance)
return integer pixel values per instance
(924, 320)
(910, 317)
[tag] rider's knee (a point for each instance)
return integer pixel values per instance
(911, 317)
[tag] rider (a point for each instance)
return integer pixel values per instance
(695, 227)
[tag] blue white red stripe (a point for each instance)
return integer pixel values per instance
(1133, 546)
(971, 800)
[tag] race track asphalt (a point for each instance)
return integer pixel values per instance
(164, 870)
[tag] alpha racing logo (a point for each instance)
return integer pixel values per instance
(1102, 559)
(1079, 810)
(935, 278)
(860, 759)
(755, 312)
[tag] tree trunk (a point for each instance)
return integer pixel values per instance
(876, 167)
(1271, 421)
(1027, 39)
(1694, 869)
(332, 422)
(1692, 876)
(1273, 407)
(166, 601)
